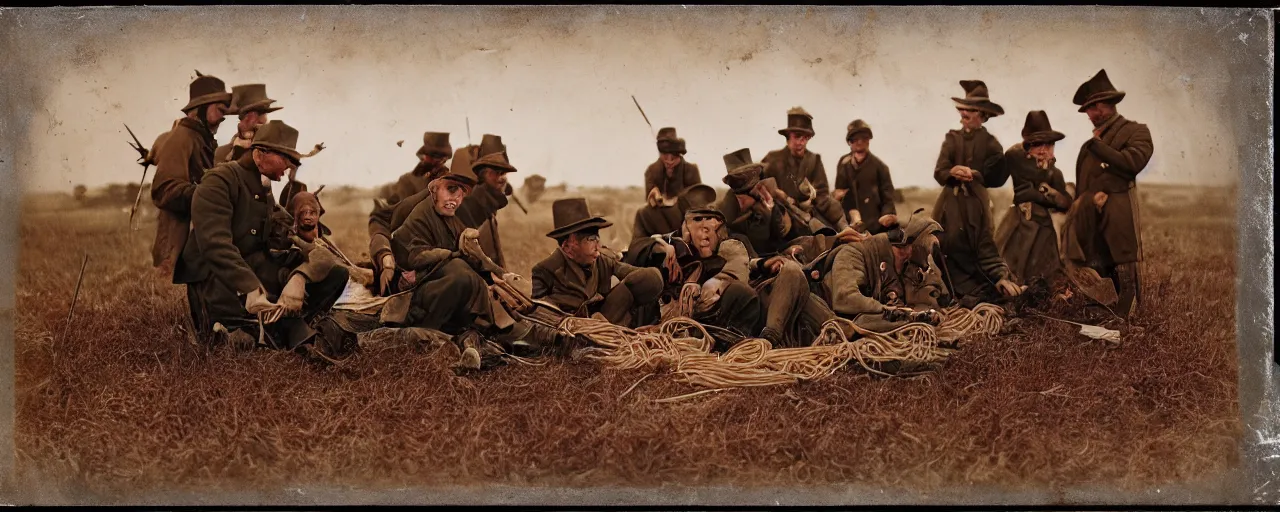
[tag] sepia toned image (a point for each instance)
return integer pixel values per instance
(667, 255)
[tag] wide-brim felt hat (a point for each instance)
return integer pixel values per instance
(280, 138)
(1037, 130)
(250, 98)
(856, 127)
(205, 90)
(918, 225)
(571, 215)
(669, 142)
(436, 144)
(743, 173)
(976, 97)
(798, 121)
(490, 144)
(1097, 89)
(493, 160)
(700, 199)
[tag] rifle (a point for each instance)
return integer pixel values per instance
(646, 118)
(814, 223)
(145, 161)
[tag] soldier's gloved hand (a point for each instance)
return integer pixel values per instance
(1008, 288)
(387, 274)
(256, 302)
(294, 293)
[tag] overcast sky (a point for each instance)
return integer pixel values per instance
(556, 83)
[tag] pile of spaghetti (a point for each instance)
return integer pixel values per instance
(684, 347)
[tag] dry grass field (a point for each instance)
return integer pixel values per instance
(124, 403)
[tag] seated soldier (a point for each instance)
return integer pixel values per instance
(448, 294)
(758, 216)
(888, 280)
(576, 278)
(451, 276)
(237, 267)
(703, 254)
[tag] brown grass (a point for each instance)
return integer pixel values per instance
(130, 406)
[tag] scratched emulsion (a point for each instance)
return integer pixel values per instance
(556, 83)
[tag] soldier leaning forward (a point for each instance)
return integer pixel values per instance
(577, 278)
(888, 280)
(702, 253)
(238, 262)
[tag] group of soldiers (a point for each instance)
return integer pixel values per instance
(776, 258)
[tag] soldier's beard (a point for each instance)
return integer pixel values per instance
(307, 232)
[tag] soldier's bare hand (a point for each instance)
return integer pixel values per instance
(674, 272)
(838, 194)
(654, 198)
(1008, 288)
(962, 173)
(888, 220)
(774, 264)
(1100, 199)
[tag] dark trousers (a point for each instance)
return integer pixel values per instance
(212, 301)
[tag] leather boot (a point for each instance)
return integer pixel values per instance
(1127, 289)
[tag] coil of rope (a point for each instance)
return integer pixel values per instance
(682, 345)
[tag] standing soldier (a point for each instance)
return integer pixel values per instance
(577, 278)
(863, 184)
(232, 264)
(1106, 219)
(664, 181)
(184, 154)
(480, 209)
(969, 158)
(1026, 238)
(250, 103)
(800, 173)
